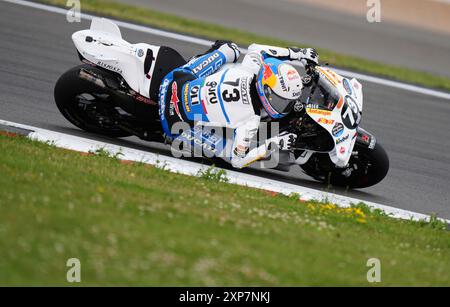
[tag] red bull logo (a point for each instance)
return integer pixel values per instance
(292, 75)
(269, 77)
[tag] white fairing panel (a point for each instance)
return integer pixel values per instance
(103, 45)
(341, 122)
(106, 26)
(357, 92)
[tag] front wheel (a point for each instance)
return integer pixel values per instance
(366, 168)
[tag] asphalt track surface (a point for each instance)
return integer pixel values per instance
(316, 26)
(36, 49)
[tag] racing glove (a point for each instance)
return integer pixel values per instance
(305, 55)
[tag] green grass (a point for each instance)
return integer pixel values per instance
(212, 31)
(133, 224)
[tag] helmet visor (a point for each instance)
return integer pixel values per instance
(279, 104)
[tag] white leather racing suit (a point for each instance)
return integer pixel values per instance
(203, 94)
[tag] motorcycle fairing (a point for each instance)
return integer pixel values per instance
(102, 45)
(341, 120)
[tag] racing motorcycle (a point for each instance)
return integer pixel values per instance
(115, 93)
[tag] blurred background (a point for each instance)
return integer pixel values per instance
(412, 33)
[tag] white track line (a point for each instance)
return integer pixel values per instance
(204, 42)
(192, 168)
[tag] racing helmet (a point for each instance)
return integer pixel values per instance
(279, 86)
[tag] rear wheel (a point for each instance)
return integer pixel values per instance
(86, 105)
(366, 168)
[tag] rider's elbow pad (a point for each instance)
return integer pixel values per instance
(231, 54)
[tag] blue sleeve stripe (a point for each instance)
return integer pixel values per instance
(220, 97)
(206, 64)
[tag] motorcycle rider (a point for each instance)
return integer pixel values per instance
(199, 94)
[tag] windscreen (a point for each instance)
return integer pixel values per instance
(324, 94)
